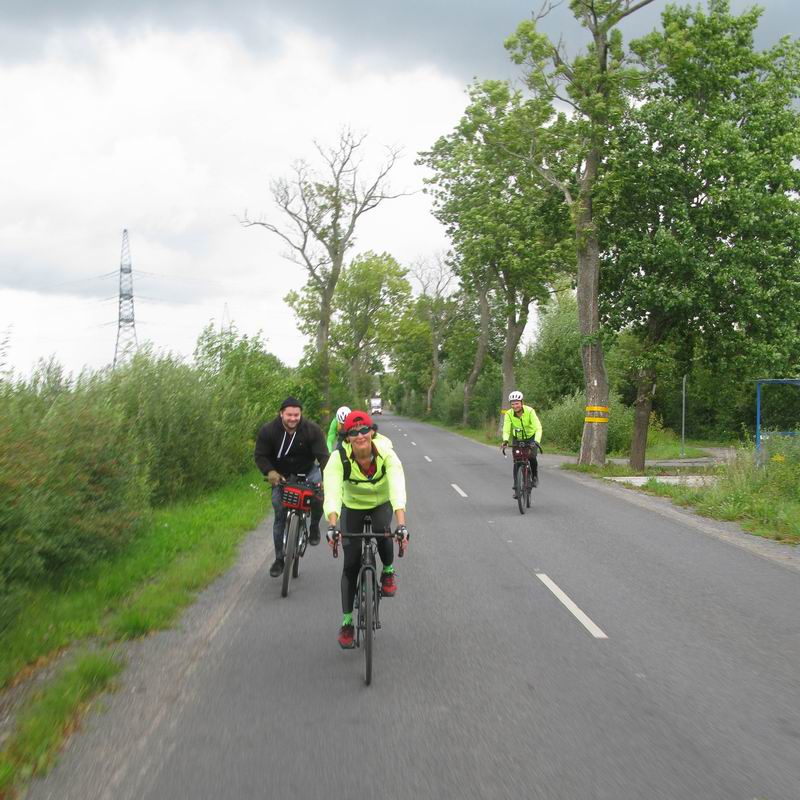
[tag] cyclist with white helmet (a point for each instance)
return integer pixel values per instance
(520, 423)
(336, 429)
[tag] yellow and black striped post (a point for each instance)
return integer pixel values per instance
(596, 414)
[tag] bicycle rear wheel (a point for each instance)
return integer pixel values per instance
(290, 551)
(368, 599)
(519, 488)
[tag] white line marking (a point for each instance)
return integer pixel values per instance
(459, 489)
(427, 458)
(570, 605)
(414, 443)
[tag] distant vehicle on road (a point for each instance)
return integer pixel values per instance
(375, 406)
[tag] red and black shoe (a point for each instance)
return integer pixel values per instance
(346, 638)
(388, 584)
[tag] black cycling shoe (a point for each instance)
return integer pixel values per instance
(277, 567)
(313, 535)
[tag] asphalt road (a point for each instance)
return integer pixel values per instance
(674, 673)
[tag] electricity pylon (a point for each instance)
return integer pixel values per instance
(126, 326)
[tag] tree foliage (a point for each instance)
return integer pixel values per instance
(702, 230)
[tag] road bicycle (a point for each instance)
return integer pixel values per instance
(368, 590)
(296, 497)
(523, 474)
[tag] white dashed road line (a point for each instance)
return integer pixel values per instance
(459, 489)
(414, 443)
(571, 607)
(428, 459)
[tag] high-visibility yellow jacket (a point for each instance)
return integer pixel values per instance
(523, 427)
(356, 490)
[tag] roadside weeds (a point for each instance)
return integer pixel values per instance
(142, 590)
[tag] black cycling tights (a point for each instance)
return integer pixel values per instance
(352, 521)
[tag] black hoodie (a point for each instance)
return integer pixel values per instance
(290, 453)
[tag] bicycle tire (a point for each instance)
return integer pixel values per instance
(528, 486)
(519, 489)
(290, 553)
(368, 599)
(297, 556)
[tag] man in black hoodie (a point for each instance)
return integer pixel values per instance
(289, 445)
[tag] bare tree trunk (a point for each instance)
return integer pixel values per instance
(323, 331)
(641, 418)
(355, 374)
(480, 353)
(515, 327)
(435, 366)
(595, 433)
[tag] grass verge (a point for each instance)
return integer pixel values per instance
(763, 498)
(612, 470)
(142, 589)
(52, 714)
(664, 445)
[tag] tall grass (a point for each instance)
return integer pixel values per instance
(83, 461)
(763, 496)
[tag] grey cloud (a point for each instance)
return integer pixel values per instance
(464, 39)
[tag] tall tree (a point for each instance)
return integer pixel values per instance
(322, 208)
(436, 307)
(567, 151)
(371, 292)
(703, 221)
(496, 217)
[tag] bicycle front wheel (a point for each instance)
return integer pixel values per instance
(368, 599)
(296, 559)
(528, 486)
(290, 554)
(519, 488)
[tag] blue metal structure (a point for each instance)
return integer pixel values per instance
(759, 383)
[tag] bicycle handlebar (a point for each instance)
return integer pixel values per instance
(535, 445)
(334, 535)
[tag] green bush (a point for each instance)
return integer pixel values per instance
(562, 425)
(83, 461)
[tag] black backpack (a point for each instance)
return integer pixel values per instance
(347, 468)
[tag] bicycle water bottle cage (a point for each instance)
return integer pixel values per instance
(297, 496)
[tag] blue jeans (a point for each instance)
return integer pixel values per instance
(279, 519)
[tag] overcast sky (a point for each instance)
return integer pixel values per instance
(169, 118)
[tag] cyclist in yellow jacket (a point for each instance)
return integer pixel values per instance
(364, 477)
(521, 424)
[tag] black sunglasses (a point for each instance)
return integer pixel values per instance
(363, 431)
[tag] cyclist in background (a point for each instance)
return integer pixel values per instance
(364, 477)
(336, 428)
(522, 424)
(290, 445)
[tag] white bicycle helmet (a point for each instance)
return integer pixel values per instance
(342, 413)
(515, 395)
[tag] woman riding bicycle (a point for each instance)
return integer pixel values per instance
(521, 424)
(364, 477)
